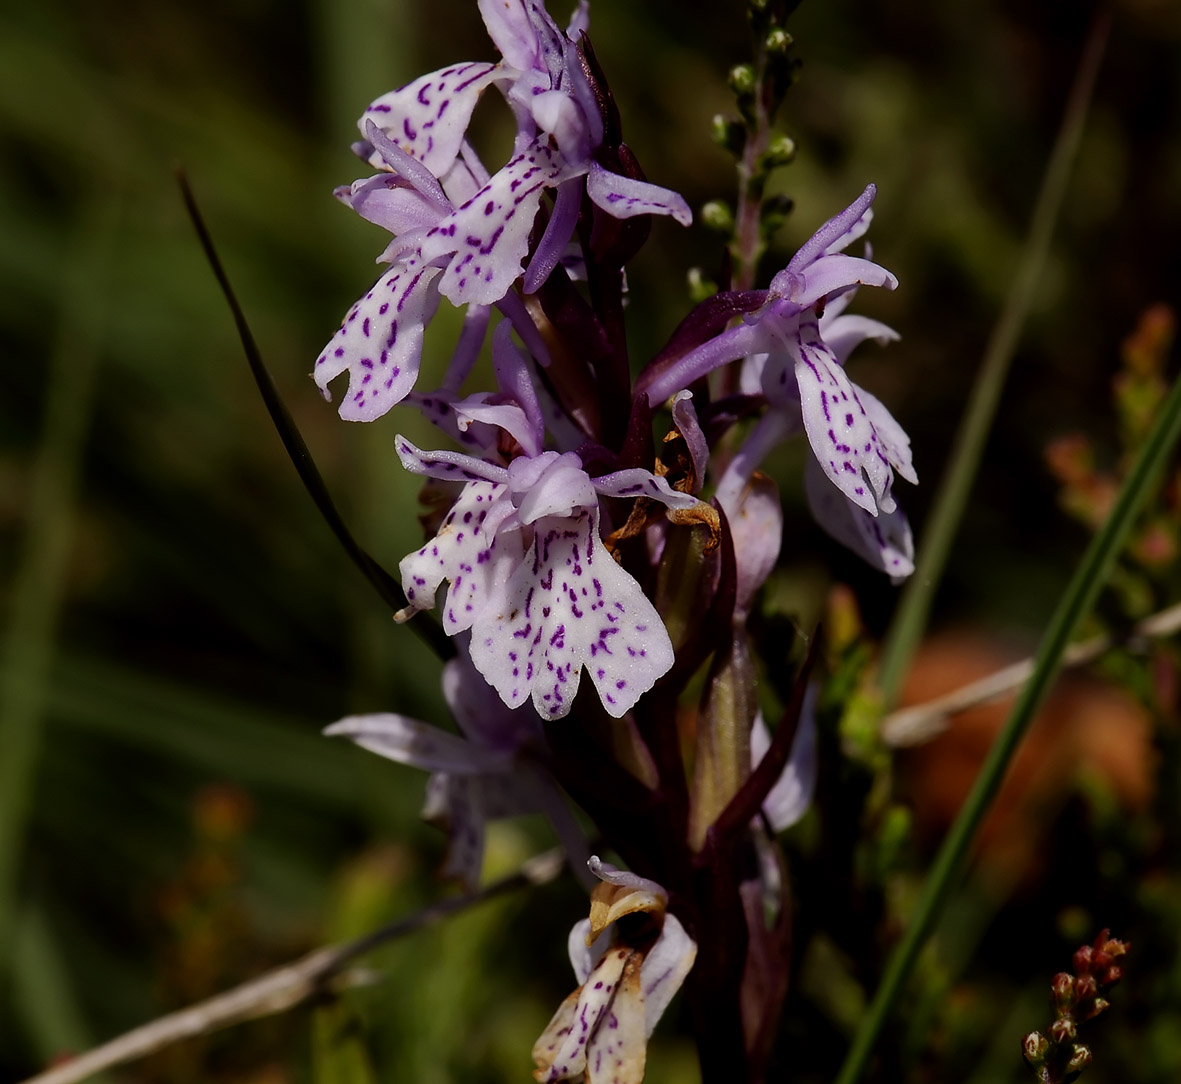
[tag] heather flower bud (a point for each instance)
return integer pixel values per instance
(1080, 1058)
(1062, 989)
(1035, 1046)
(1085, 987)
(1062, 1031)
(1082, 960)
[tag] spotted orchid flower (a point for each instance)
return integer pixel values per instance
(795, 346)
(600, 1032)
(482, 776)
(531, 578)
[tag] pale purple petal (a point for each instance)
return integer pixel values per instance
(664, 970)
(407, 166)
(482, 719)
(429, 117)
(550, 485)
(465, 820)
(834, 235)
(569, 605)
(579, 20)
(489, 234)
(583, 957)
(623, 197)
(734, 343)
(447, 466)
(391, 203)
(624, 878)
(827, 275)
(756, 527)
(844, 333)
(842, 436)
(637, 482)
(514, 310)
(470, 551)
(408, 741)
(772, 428)
(883, 541)
(789, 799)
(515, 380)
(467, 349)
(685, 419)
(558, 231)
(380, 342)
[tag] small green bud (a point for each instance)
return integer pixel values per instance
(778, 40)
(780, 151)
(728, 133)
(715, 215)
(742, 79)
(699, 286)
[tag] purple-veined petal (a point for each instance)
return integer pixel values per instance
(558, 231)
(429, 117)
(559, 116)
(883, 541)
(834, 235)
(827, 275)
(507, 416)
(842, 436)
(664, 970)
(892, 437)
(637, 482)
(446, 465)
(844, 333)
(489, 234)
(470, 551)
(685, 419)
(623, 197)
(408, 741)
(789, 799)
(568, 605)
(560, 1053)
(618, 1047)
(380, 342)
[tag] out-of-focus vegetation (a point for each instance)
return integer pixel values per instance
(178, 624)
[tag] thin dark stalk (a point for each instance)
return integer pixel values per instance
(387, 588)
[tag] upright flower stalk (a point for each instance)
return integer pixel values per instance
(573, 545)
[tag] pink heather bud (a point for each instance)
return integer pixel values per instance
(1085, 987)
(1063, 1030)
(1111, 975)
(1080, 1058)
(1035, 1046)
(1097, 1006)
(1062, 989)
(1082, 960)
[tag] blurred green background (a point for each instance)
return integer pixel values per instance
(178, 624)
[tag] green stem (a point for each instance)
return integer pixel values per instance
(956, 484)
(1089, 578)
(27, 651)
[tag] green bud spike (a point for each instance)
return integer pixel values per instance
(778, 40)
(716, 215)
(728, 133)
(780, 151)
(742, 79)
